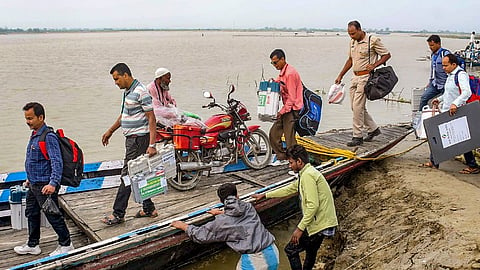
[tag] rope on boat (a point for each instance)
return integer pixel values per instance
(315, 148)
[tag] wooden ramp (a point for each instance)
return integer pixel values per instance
(10, 238)
(87, 208)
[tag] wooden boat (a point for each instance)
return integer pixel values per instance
(151, 243)
(97, 175)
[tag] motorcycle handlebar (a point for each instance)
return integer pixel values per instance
(231, 102)
(210, 105)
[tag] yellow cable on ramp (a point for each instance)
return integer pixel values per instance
(315, 148)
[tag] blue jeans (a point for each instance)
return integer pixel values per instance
(34, 200)
(429, 93)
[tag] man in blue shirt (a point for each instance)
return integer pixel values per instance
(43, 180)
(438, 76)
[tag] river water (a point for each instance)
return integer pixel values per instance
(69, 74)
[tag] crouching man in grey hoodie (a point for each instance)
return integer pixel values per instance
(240, 227)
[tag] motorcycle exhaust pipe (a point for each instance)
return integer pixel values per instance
(194, 166)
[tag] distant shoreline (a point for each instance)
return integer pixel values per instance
(443, 35)
(423, 33)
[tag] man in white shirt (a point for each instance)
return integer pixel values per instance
(457, 91)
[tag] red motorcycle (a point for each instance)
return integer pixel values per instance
(224, 140)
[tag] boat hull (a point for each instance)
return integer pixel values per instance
(161, 247)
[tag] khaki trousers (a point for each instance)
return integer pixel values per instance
(358, 99)
(283, 126)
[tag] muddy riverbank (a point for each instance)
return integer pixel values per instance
(395, 215)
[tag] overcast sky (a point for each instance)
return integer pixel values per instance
(462, 15)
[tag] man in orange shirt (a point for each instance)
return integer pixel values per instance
(291, 90)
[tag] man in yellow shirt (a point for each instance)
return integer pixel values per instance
(318, 209)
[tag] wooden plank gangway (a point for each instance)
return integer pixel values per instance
(159, 244)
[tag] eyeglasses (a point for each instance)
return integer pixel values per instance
(276, 61)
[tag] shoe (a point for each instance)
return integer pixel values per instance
(372, 134)
(141, 214)
(25, 249)
(62, 249)
(355, 142)
(112, 220)
(279, 162)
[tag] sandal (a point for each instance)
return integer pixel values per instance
(142, 213)
(428, 165)
(112, 220)
(470, 170)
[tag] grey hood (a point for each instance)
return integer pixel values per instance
(240, 227)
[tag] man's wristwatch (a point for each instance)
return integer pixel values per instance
(151, 145)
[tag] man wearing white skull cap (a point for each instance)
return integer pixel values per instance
(159, 89)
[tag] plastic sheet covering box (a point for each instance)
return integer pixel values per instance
(268, 100)
(18, 204)
(148, 175)
(449, 136)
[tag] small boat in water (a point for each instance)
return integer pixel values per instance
(470, 55)
(150, 243)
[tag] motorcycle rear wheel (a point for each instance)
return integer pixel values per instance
(186, 180)
(257, 150)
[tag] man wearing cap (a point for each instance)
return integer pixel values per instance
(159, 88)
(363, 56)
(137, 122)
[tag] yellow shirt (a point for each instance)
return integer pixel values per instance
(317, 202)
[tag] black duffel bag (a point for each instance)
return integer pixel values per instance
(380, 83)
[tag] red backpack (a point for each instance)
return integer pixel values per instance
(474, 86)
(72, 157)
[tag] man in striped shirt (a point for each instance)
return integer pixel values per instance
(137, 121)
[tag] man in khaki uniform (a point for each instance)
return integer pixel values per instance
(358, 58)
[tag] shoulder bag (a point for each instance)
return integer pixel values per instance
(381, 81)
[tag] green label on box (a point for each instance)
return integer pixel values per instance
(153, 187)
(261, 100)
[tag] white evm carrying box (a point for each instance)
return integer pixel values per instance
(268, 100)
(148, 175)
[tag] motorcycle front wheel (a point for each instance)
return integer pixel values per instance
(257, 150)
(186, 180)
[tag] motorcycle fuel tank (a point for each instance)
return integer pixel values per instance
(218, 122)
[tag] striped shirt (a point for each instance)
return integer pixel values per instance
(136, 101)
